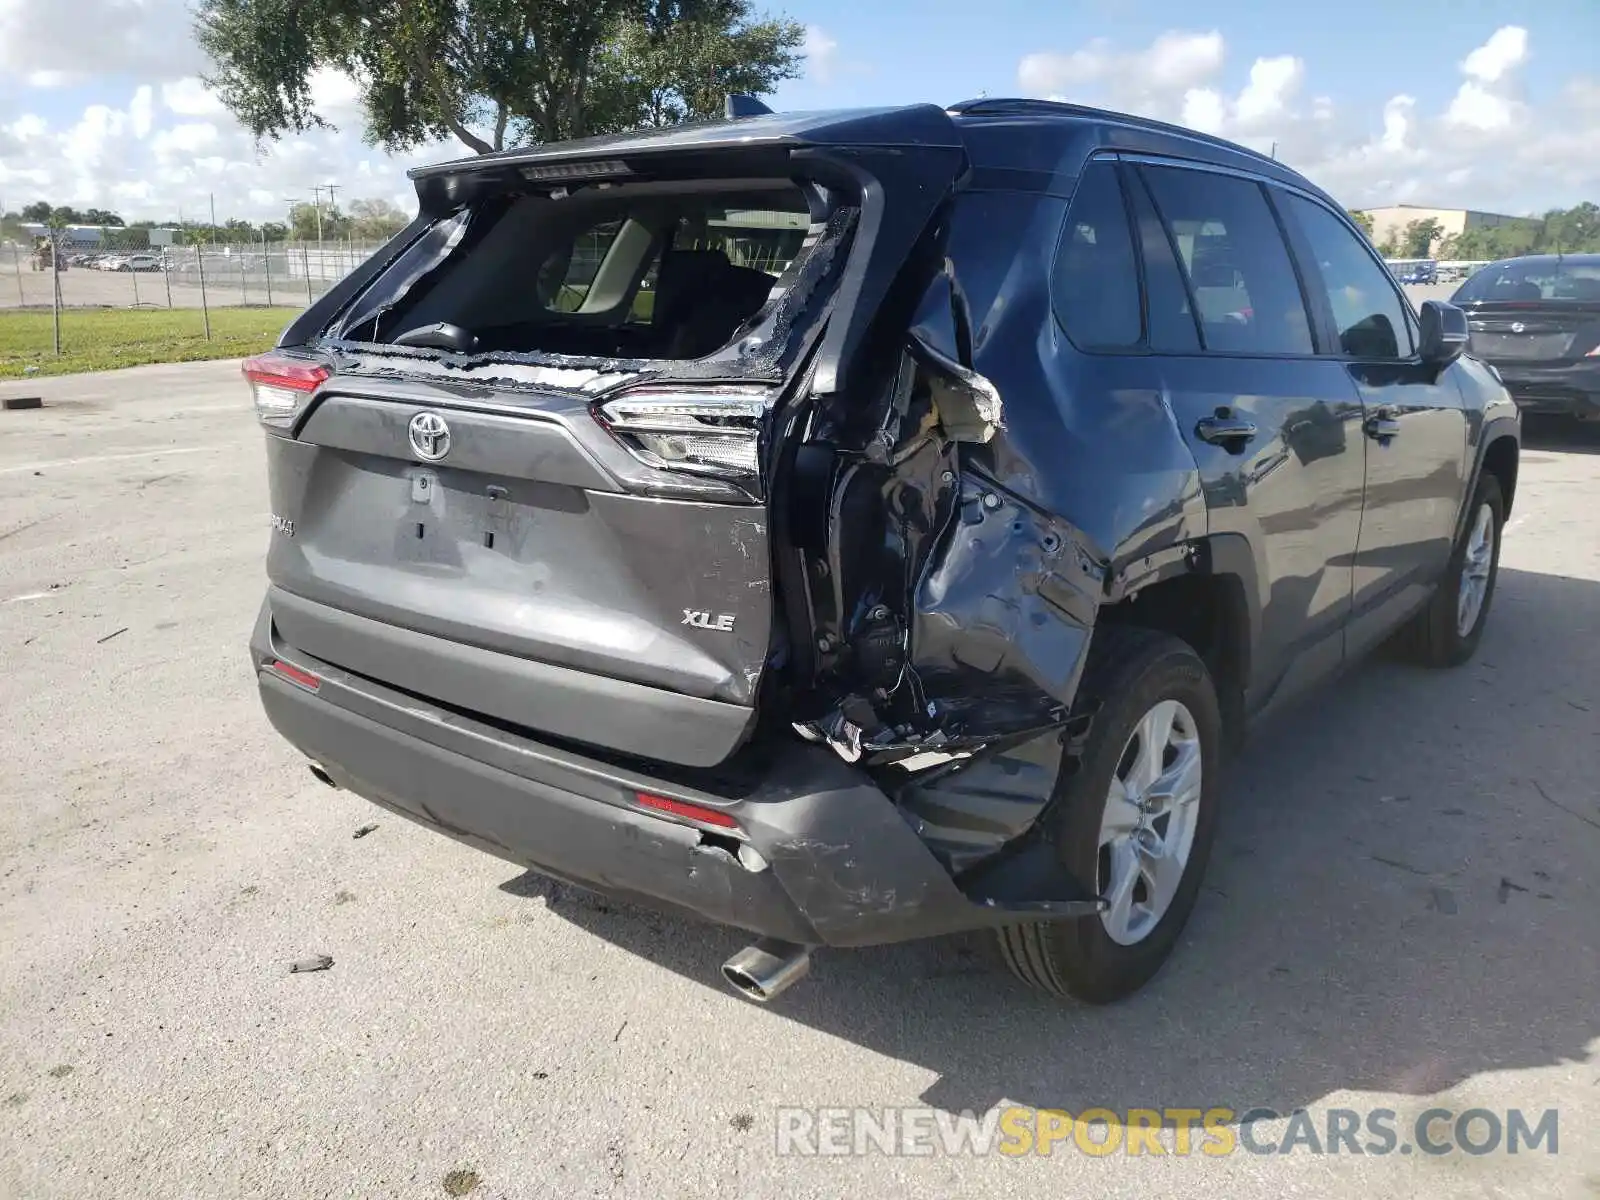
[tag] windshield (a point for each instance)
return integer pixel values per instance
(1553, 279)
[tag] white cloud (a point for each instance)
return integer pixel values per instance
(1204, 109)
(1273, 83)
(1397, 121)
(1173, 62)
(1505, 51)
(189, 97)
(51, 43)
(1487, 147)
(141, 112)
(822, 54)
(1476, 107)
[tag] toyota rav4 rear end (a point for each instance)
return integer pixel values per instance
(602, 499)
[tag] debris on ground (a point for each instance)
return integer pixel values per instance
(319, 962)
(19, 403)
(109, 636)
(1507, 887)
(363, 831)
(460, 1181)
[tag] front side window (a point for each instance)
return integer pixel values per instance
(1095, 285)
(1245, 290)
(1368, 312)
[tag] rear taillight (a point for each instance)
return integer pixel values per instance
(690, 812)
(280, 386)
(296, 675)
(699, 429)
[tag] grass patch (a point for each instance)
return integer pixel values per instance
(102, 339)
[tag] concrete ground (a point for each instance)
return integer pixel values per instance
(1400, 912)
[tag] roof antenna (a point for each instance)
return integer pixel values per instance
(738, 105)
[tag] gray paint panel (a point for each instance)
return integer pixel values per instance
(567, 704)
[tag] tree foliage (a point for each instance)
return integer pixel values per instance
(1418, 238)
(1560, 230)
(489, 72)
(1364, 220)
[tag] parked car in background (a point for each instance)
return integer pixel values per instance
(139, 262)
(1537, 319)
(975, 478)
(1422, 272)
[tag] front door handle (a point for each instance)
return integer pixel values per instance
(1381, 426)
(1229, 432)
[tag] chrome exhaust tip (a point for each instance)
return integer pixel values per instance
(765, 970)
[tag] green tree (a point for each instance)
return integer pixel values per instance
(101, 216)
(375, 220)
(1363, 219)
(1418, 238)
(486, 70)
(38, 211)
(307, 223)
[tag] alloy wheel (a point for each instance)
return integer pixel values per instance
(1148, 827)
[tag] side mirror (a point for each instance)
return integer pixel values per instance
(1444, 333)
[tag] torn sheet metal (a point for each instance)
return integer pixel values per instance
(949, 612)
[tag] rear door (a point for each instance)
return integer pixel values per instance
(1414, 422)
(1275, 429)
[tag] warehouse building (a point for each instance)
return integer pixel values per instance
(1391, 222)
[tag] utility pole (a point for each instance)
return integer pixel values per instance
(212, 196)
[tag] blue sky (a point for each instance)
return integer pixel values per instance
(1478, 103)
(1362, 51)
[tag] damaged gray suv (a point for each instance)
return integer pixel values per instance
(862, 526)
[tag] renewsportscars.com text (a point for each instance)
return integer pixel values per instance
(1211, 1132)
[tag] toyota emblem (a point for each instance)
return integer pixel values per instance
(1517, 327)
(430, 436)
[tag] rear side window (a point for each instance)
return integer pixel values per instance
(1368, 312)
(1095, 284)
(1245, 290)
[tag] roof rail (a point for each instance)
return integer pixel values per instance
(1000, 105)
(737, 105)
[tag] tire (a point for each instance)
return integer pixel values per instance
(1436, 637)
(1131, 673)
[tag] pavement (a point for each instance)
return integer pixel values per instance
(1400, 912)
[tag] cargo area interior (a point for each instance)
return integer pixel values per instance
(645, 271)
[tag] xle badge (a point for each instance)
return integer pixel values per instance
(721, 623)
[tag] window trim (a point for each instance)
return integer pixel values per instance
(1142, 346)
(1261, 183)
(1153, 216)
(1301, 246)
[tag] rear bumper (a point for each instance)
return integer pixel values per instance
(838, 864)
(1567, 388)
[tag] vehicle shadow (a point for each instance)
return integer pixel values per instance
(1560, 433)
(1401, 897)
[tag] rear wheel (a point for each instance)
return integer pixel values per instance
(1134, 819)
(1446, 633)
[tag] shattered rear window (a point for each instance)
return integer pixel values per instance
(619, 275)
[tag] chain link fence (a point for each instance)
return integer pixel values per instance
(220, 275)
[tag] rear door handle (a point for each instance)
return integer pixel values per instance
(1230, 432)
(1381, 427)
